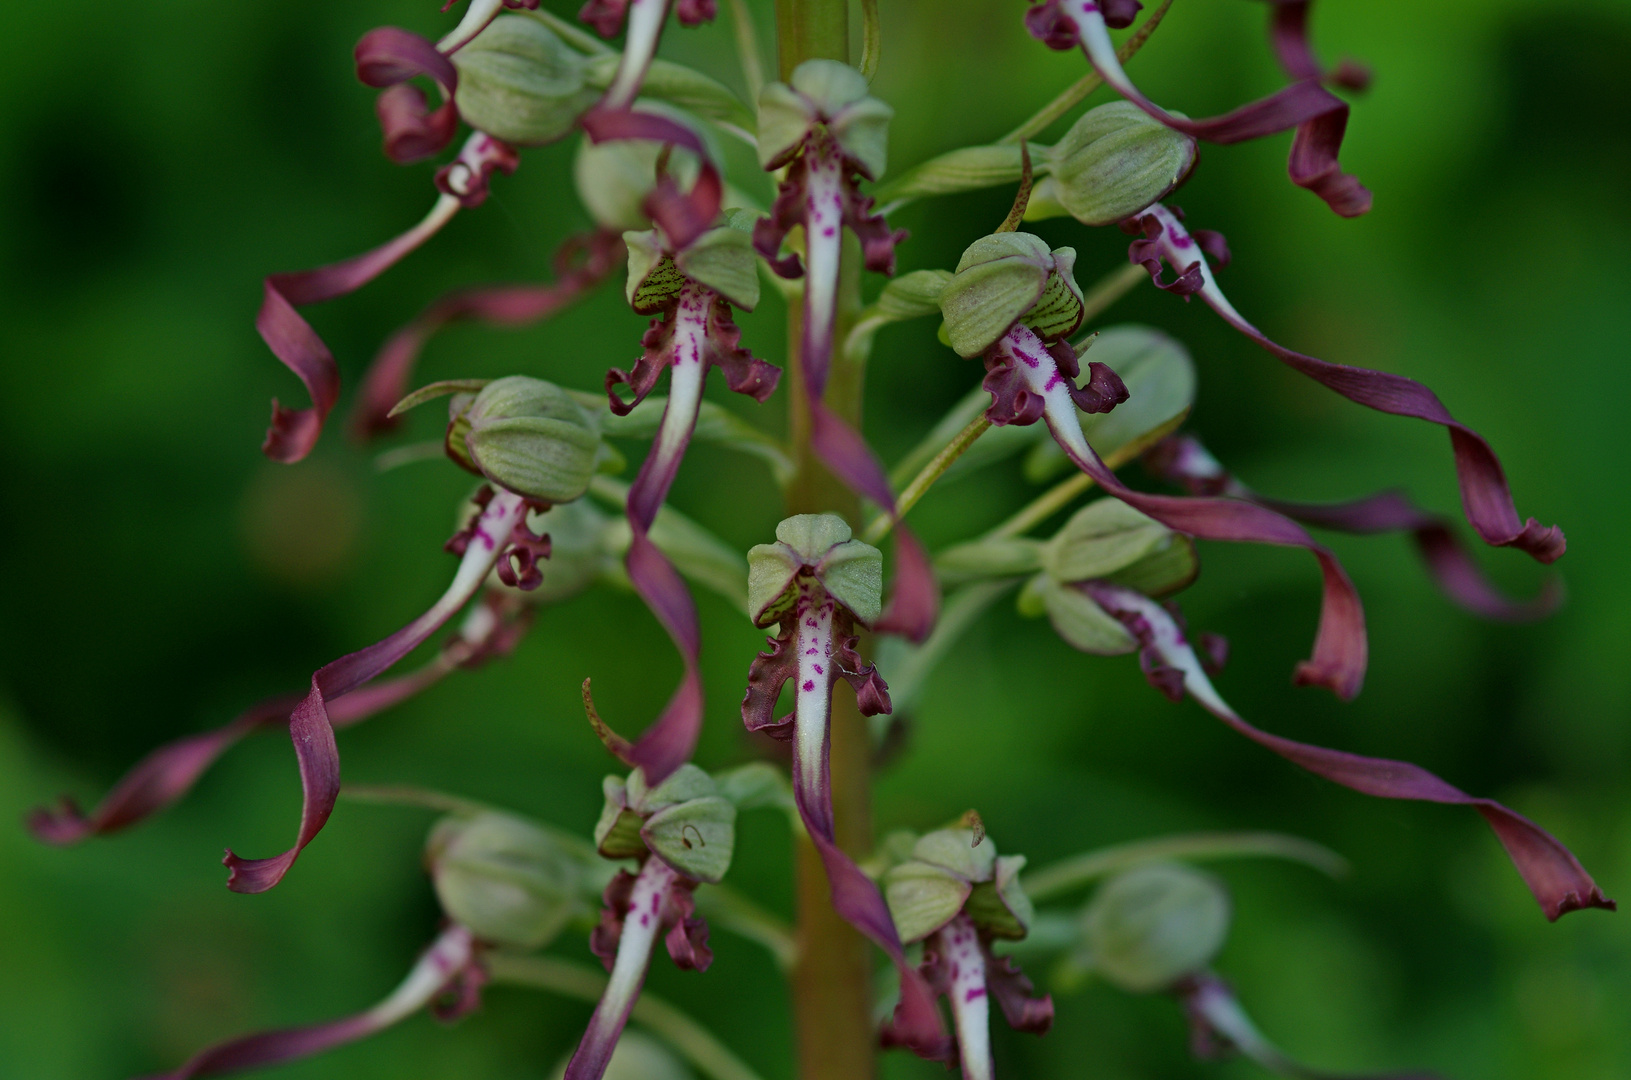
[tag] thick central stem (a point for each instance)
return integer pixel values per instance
(832, 985)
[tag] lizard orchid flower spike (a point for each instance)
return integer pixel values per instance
(295, 431)
(447, 979)
(536, 447)
(1319, 117)
(682, 832)
(957, 895)
(1555, 877)
(1013, 302)
(818, 583)
(645, 20)
(691, 286)
(168, 773)
(1182, 460)
(1485, 497)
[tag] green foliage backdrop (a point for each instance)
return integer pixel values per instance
(157, 159)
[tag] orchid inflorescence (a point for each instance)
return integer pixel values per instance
(547, 519)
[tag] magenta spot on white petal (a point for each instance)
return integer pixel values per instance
(809, 684)
(818, 670)
(974, 993)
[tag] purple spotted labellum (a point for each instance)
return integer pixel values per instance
(1319, 117)
(645, 20)
(1555, 877)
(447, 978)
(294, 432)
(581, 263)
(168, 773)
(691, 284)
(1485, 497)
(818, 583)
(498, 536)
(1182, 460)
(1026, 381)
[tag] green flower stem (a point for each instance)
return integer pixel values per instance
(871, 38)
(925, 479)
(730, 910)
(1076, 93)
(1079, 870)
(685, 1035)
(747, 49)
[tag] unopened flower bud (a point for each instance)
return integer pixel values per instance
(1151, 926)
(850, 571)
(684, 821)
(1112, 163)
(520, 83)
(528, 436)
(1075, 617)
(1006, 278)
(507, 880)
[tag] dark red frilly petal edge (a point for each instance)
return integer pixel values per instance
(915, 602)
(1485, 497)
(581, 264)
(449, 964)
(1319, 117)
(1341, 650)
(1181, 460)
(1555, 877)
(310, 725)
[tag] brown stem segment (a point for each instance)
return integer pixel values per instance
(832, 983)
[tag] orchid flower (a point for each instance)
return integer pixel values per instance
(1182, 460)
(1320, 117)
(645, 20)
(691, 284)
(446, 978)
(168, 773)
(1013, 302)
(682, 832)
(1485, 497)
(957, 895)
(294, 432)
(1557, 880)
(818, 583)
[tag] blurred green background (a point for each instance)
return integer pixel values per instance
(156, 160)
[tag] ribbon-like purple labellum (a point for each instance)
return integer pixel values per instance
(1319, 117)
(582, 263)
(291, 338)
(450, 964)
(1555, 877)
(1182, 460)
(1288, 33)
(387, 58)
(168, 773)
(310, 728)
(1485, 497)
(1340, 647)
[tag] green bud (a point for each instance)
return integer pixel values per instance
(509, 881)
(831, 90)
(529, 437)
(520, 83)
(1170, 566)
(1115, 161)
(683, 821)
(613, 178)
(722, 259)
(1102, 537)
(1006, 278)
(1151, 926)
(947, 873)
(1076, 618)
(850, 571)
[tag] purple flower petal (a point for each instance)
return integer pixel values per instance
(1485, 497)
(1340, 648)
(668, 743)
(1560, 884)
(310, 728)
(683, 216)
(606, 16)
(582, 263)
(1288, 33)
(1015, 994)
(294, 431)
(450, 959)
(388, 56)
(411, 130)
(1319, 117)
